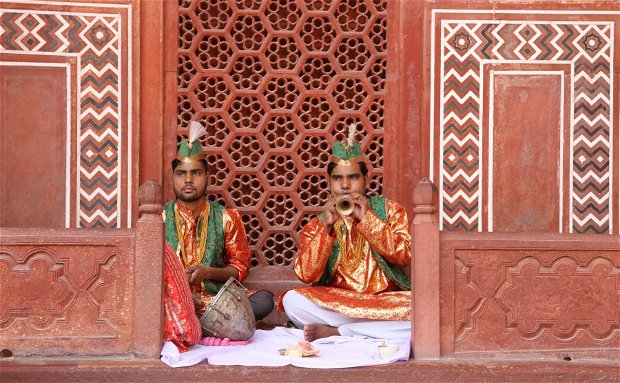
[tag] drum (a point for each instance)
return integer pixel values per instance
(230, 314)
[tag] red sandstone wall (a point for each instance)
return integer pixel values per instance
(69, 131)
(513, 105)
(516, 107)
(509, 296)
(66, 291)
(449, 113)
(67, 122)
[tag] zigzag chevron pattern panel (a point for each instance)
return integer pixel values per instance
(92, 42)
(473, 52)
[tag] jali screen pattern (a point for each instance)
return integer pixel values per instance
(276, 83)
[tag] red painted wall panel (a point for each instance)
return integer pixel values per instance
(526, 135)
(33, 145)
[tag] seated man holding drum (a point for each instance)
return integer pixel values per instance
(353, 254)
(206, 244)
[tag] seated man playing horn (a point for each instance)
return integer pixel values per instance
(353, 254)
(206, 244)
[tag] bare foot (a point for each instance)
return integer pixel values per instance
(313, 331)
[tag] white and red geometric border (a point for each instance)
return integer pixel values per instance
(463, 49)
(94, 35)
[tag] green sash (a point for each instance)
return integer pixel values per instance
(395, 274)
(214, 249)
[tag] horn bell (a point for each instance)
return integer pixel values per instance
(345, 206)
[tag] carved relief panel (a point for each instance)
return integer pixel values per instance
(518, 294)
(73, 292)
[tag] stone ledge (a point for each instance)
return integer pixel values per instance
(126, 369)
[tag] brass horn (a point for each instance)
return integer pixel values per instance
(345, 206)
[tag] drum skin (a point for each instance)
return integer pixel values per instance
(230, 314)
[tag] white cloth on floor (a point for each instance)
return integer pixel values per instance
(264, 346)
(302, 311)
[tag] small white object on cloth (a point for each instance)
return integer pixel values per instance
(387, 350)
(335, 351)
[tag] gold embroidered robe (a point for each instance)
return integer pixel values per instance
(358, 288)
(236, 250)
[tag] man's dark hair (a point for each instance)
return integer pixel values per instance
(332, 165)
(176, 162)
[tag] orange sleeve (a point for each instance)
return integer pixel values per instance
(316, 245)
(390, 239)
(236, 243)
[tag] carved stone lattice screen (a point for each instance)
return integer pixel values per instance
(276, 83)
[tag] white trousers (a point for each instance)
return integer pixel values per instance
(302, 311)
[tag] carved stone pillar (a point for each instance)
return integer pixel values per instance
(148, 306)
(425, 274)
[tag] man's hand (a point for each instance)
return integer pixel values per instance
(198, 304)
(198, 273)
(329, 214)
(361, 205)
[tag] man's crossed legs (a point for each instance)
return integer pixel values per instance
(319, 322)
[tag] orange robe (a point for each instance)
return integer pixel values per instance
(181, 325)
(237, 252)
(358, 288)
